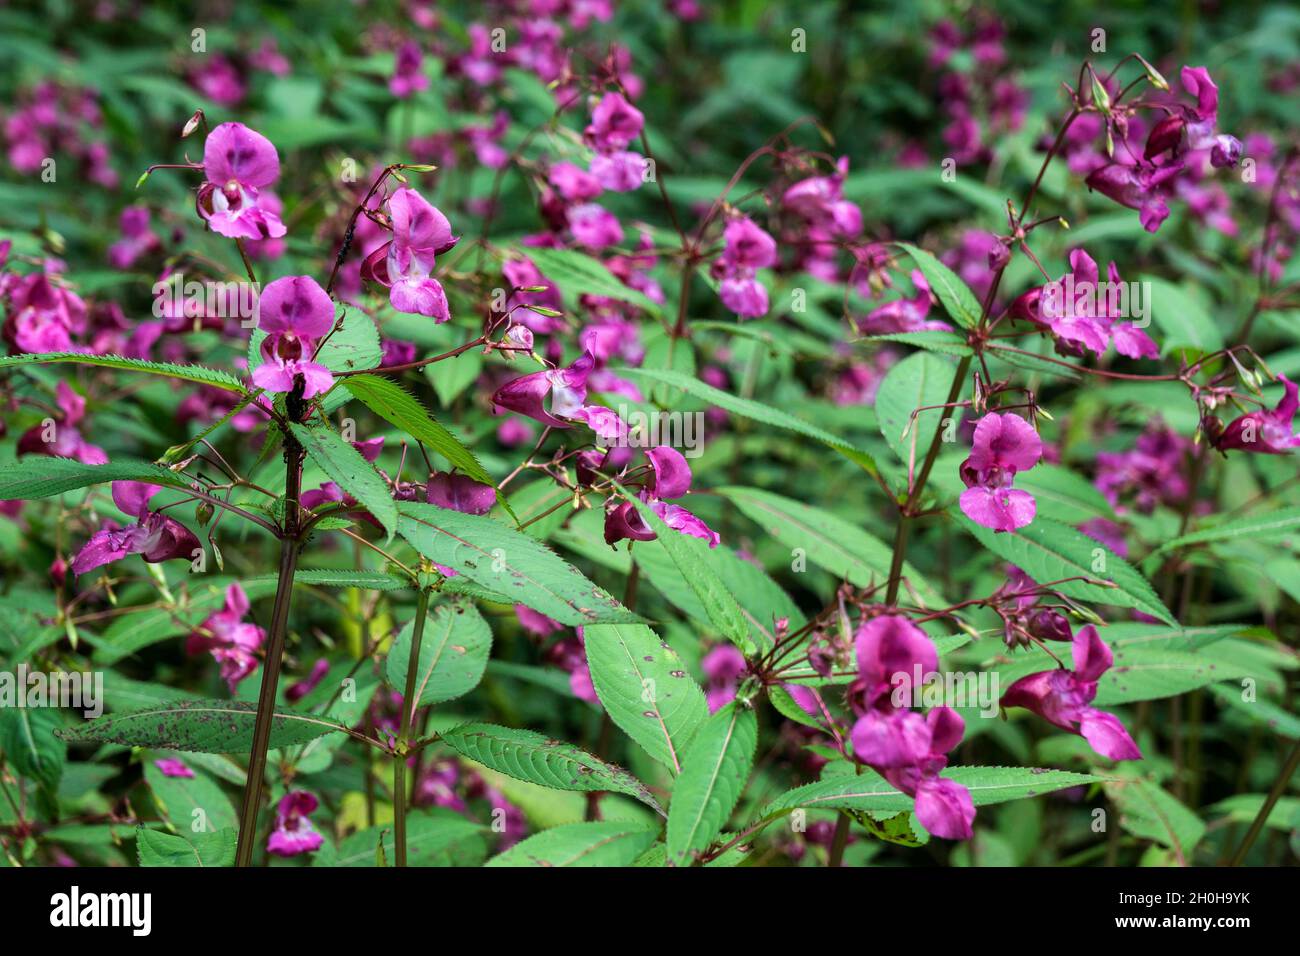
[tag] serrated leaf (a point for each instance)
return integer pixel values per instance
(691, 556)
(715, 769)
(1181, 317)
(1258, 527)
(828, 541)
(188, 849)
(30, 740)
(644, 686)
(209, 726)
(748, 408)
(954, 295)
(507, 562)
(395, 405)
(42, 476)
(329, 578)
(934, 340)
(345, 465)
(179, 797)
(602, 843)
(536, 758)
(1148, 812)
(453, 653)
(918, 381)
(869, 792)
(189, 373)
(576, 274)
(1066, 496)
(1048, 551)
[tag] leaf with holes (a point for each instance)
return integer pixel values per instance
(454, 651)
(602, 843)
(715, 769)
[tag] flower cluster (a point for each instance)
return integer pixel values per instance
(1004, 445)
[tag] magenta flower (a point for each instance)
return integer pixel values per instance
(523, 274)
(1063, 698)
(614, 124)
(1193, 127)
(64, 440)
(618, 172)
(820, 201)
(460, 493)
(300, 689)
(1003, 445)
(408, 77)
(575, 184)
(1267, 432)
(137, 238)
(535, 622)
(172, 767)
(747, 248)
(904, 314)
(670, 477)
(231, 640)
(567, 388)
(404, 265)
(295, 313)
(723, 666)
(43, 315)
(294, 833)
(909, 750)
(594, 226)
(220, 81)
(155, 536)
(237, 163)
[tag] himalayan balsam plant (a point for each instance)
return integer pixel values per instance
(755, 532)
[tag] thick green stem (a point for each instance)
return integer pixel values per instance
(289, 545)
(1261, 818)
(409, 704)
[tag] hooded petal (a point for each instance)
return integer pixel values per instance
(672, 473)
(891, 738)
(1106, 735)
(944, 807)
(233, 151)
(296, 304)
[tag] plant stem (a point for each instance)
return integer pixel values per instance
(289, 545)
(404, 734)
(1279, 786)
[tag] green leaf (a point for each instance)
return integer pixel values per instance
(748, 408)
(954, 295)
(828, 541)
(453, 653)
(692, 555)
(435, 837)
(1256, 527)
(344, 464)
(209, 726)
(1048, 551)
(576, 273)
(645, 688)
(934, 340)
(30, 740)
(530, 756)
(922, 379)
(330, 578)
(715, 769)
(179, 797)
(1150, 813)
(189, 849)
(40, 476)
(603, 843)
(188, 373)
(1069, 498)
(399, 407)
(1181, 317)
(868, 792)
(507, 562)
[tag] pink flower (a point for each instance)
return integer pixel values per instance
(155, 536)
(904, 314)
(407, 75)
(1063, 698)
(237, 163)
(1267, 432)
(1003, 445)
(575, 184)
(567, 388)
(670, 477)
(137, 238)
(594, 226)
(231, 641)
(300, 689)
(219, 80)
(172, 767)
(820, 201)
(747, 248)
(65, 441)
(614, 124)
(295, 313)
(294, 833)
(723, 666)
(618, 172)
(43, 315)
(405, 264)
(460, 493)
